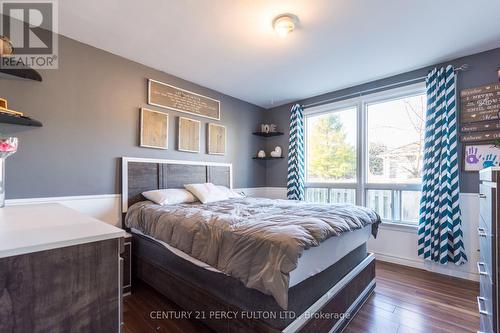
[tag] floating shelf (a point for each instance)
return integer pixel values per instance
(15, 120)
(267, 134)
(267, 158)
(20, 73)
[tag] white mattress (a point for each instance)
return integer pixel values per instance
(312, 261)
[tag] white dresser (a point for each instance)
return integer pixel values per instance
(489, 205)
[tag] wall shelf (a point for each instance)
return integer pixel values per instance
(267, 158)
(267, 134)
(16, 120)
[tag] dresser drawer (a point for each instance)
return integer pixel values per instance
(485, 325)
(485, 263)
(485, 309)
(485, 204)
(486, 293)
(488, 174)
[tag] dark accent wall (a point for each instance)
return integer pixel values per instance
(482, 70)
(90, 111)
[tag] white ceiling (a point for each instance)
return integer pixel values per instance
(229, 45)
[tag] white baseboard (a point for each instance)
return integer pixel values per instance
(428, 266)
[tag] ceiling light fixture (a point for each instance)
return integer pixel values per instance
(284, 24)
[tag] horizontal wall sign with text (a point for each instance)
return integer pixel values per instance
(480, 136)
(493, 125)
(170, 97)
(480, 103)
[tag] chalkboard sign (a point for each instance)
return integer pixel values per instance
(170, 97)
(480, 104)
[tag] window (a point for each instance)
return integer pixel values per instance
(383, 132)
(395, 133)
(331, 146)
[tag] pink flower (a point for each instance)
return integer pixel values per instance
(8, 145)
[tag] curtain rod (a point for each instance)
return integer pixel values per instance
(363, 92)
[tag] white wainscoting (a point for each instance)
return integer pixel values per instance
(399, 244)
(265, 192)
(393, 244)
(103, 207)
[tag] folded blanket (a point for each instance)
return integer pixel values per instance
(255, 240)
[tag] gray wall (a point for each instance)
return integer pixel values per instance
(90, 111)
(482, 70)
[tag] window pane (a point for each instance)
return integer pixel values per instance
(395, 140)
(331, 147)
(381, 202)
(342, 196)
(337, 195)
(317, 195)
(411, 206)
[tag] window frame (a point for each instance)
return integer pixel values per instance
(361, 184)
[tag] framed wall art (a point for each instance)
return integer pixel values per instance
(177, 99)
(154, 129)
(189, 135)
(216, 139)
(480, 156)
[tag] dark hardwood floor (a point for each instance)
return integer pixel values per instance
(406, 300)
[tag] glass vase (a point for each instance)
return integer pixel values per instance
(2, 182)
(8, 146)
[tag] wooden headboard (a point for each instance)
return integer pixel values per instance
(145, 174)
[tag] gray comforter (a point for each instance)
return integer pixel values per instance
(257, 241)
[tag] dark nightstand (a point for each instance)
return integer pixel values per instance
(127, 264)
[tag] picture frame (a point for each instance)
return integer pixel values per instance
(476, 156)
(153, 129)
(189, 133)
(177, 99)
(216, 138)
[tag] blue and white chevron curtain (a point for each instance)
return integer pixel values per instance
(440, 228)
(295, 181)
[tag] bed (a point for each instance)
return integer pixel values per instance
(326, 278)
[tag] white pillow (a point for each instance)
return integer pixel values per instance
(207, 192)
(230, 193)
(169, 196)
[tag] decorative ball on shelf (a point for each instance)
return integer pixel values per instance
(276, 152)
(261, 154)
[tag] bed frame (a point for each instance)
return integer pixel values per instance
(347, 296)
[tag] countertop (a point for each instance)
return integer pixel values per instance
(32, 228)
